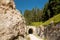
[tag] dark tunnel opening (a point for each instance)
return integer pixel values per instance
(30, 31)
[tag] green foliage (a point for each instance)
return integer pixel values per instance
(56, 19)
(36, 23)
(51, 8)
(28, 16)
(34, 15)
(55, 6)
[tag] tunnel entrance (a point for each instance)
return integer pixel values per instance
(30, 31)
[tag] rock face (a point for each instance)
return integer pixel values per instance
(12, 24)
(40, 31)
(52, 32)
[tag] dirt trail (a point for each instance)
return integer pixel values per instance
(33, 37)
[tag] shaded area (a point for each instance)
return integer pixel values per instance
(30, 31)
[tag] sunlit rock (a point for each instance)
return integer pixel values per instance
(12, 23)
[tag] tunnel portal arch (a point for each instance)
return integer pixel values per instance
(30, 31)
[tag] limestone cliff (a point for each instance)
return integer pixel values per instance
(12, 23)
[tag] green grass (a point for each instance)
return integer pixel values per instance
(55, 19)
(36, 23)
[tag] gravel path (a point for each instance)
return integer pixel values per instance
(33, 37)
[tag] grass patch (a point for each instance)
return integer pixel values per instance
(36, 23)
(56, 19)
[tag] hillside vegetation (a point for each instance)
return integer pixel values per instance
(50, 12)
(36, 23)
(56, 19)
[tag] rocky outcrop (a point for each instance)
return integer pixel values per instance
(40, 31)
(12, 23)
(49, 32)
(52, 32)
